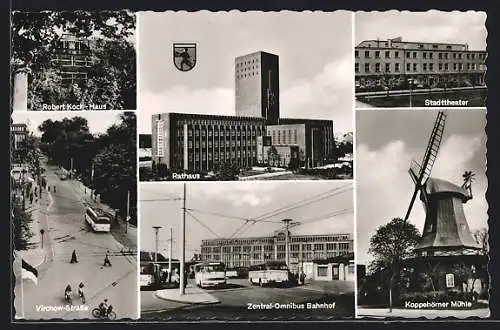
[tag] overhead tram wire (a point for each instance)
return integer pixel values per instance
(159, 193)
(227, 216)
(160, 200)
(263, 216)
(306, 202)
(202, 224)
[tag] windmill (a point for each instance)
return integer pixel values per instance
(446, 231)
(420, 173)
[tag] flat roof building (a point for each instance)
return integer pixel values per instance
(188, 142)
(247, 251)
(392, 62)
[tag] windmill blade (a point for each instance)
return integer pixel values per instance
(412, 201)
(432, 147)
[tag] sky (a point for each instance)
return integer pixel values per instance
(387, 141)
(316, 78)
(314, 205)
(432, 26)
(98, 121)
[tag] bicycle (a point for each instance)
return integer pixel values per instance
(98, 313)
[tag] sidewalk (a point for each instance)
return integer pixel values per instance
(36, 256)
(265, 175)
(193, 295)
(127, 239)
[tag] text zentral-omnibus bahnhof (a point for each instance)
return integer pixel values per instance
(261, 306)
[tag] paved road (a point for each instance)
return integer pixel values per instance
(66, 230)
(234, 303)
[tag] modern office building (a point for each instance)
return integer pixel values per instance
(195, 142)
(247, 251)
(188, 142)
(396, 63)
(73, 57)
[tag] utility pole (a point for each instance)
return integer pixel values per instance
(287, 239)
(156, 228)
(170, 256)
(128, 211)
(183, 244)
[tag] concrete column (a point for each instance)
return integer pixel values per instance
(20, 94)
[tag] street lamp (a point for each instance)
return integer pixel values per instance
(410, 83)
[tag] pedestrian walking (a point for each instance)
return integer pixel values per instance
(106, 260)
(302, 278)
(73, 257)
(31, 198)
(54, 188)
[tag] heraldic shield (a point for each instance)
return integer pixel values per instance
(184, 56)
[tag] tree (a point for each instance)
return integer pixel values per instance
(227, 171)
(35, 35)
(21, 223)
(390, 246)
(481, 237)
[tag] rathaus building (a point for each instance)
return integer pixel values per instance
(196, 142)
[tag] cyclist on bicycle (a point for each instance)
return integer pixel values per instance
(104, 307)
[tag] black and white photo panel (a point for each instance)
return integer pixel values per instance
(435, 59)
(74, 216)
(277, 106)
(73, 60)
(247, 251)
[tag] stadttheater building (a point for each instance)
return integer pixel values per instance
(394, 63)
(195, 142)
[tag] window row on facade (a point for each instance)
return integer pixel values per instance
(258, 257)
(216, 144)
(270, 248)
(283, 137)
(414, 67)
(234, 132)
(220, 156)
(388, 54)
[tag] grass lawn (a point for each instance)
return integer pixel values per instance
(476, 98)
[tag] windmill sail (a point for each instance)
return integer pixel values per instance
(420, 173)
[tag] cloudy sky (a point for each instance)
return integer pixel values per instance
(315, 59)
(432, 26)
(386, 143)
(321, 207)
(98, 121)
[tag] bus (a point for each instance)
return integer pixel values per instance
(271, 272)
(154, 274)
(98, 219)
(149, 275)
(210, 274)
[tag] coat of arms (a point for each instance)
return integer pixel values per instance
(184, 56)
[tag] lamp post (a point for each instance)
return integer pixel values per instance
(410, 83)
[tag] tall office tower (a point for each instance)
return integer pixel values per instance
(257, 86)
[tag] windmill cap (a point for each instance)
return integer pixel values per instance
(436, 186)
